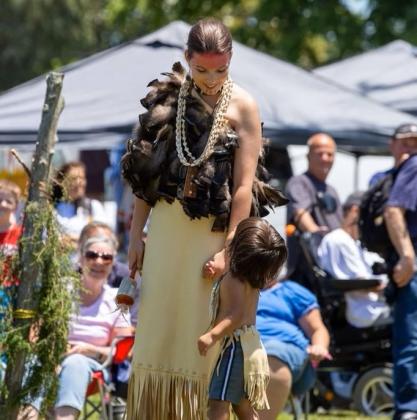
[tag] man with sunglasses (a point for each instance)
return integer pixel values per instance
(314, 205)
(401, 220)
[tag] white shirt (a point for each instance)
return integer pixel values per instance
(94, 324)
(344, 258)
(73, 225)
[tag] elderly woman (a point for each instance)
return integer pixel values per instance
(93, 326)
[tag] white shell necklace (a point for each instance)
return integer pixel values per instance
(219, 121)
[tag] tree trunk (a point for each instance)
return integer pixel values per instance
(30, 274)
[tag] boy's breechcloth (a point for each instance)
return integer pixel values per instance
(241, 370)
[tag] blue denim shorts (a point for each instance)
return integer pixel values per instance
(227, 380)
(297, 360)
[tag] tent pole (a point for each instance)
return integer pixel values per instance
(356, 172)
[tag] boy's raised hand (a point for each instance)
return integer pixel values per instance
(204, 343)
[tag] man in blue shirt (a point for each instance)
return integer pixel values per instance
(292, 331)
(401, 220)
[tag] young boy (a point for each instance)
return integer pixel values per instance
(10, 231)
(9, 235)
(257, 253)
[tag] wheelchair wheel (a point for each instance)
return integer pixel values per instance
(373, 394)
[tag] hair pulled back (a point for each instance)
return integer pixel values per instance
(209, 36)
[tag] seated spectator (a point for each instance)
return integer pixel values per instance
(10, 233)
(314, 204)
(119, 269)
(341, 255)
(294, 336)
(74, 209)
(120, 372)
(92, 328)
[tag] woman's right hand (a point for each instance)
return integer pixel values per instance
(318, 352)
(135, 255)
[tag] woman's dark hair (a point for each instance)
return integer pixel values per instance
(257, 252)
(209, 36)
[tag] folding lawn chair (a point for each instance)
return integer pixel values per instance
(107, 406)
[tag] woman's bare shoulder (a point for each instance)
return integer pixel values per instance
(243, 99)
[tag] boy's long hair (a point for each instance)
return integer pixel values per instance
(257, 252)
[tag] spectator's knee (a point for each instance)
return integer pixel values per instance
(76, 364)
(75, 360)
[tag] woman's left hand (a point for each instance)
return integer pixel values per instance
(82, 348)
(215, 266)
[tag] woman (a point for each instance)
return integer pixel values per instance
(93, 327)
(194, 160)
(119, 269)
(295, 338)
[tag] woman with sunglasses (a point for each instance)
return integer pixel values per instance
(93, 326)
(195, 162)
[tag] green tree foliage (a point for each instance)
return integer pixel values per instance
(390, 20)
(40, 35)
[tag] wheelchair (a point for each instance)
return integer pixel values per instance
(362, 355)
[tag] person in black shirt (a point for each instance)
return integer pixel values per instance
(314, 205)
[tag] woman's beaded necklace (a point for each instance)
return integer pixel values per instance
(219, 121)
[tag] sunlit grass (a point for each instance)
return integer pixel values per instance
(332, 415)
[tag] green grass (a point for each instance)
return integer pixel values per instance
(332, 415)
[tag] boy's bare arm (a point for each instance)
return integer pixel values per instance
(231, 313)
